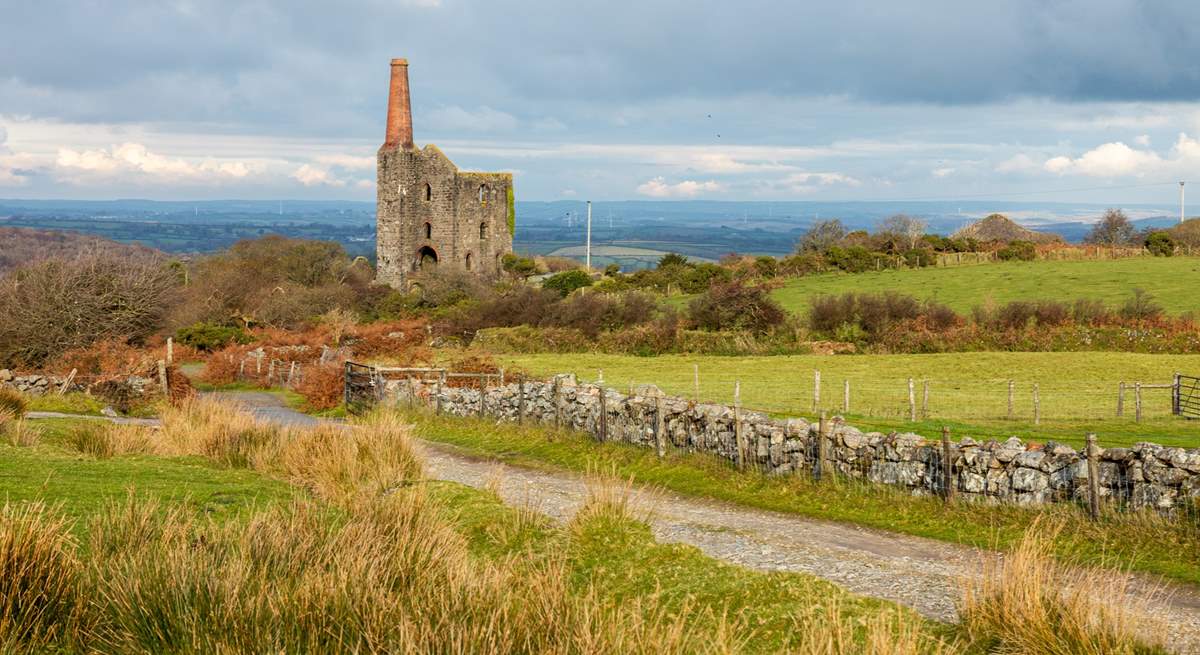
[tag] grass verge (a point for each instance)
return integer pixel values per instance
(1137, 541)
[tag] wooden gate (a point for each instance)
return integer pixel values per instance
(362, 388)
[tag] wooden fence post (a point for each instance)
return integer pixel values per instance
(1037, 406)
(696, 382)
(521, 401)
(170, 351)
(557, 404)
(947, 466)
(603, 415)
(925, 399)
(483, 394)
(437, 393)
(816, 390)
(1093, 468)
(1120, 399)
(738, 437)
(1011, 388)
(846, 397)
(1175, 395)
(1137, 402)
(912, 401)
(660, 426)
(291, 374)
(822, 447)
(345, 386)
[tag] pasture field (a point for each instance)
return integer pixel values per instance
(1174, 282)
(968, 392)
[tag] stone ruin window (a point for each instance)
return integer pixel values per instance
(428, 231)
(483, 194)
(428, 192)
(483, 231)
(469, 262)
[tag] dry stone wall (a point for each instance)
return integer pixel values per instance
(1145, 475)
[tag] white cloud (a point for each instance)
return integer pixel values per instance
(350, 162)
(1107, 160)
(943, 172)
(365, 184)
(568, 193)
(820, 179)
(1017, 163)
(137, 159)
(1142, 140)
(659, 188)
(483, 119)
(310, 175)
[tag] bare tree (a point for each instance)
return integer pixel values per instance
(1114, 229)
(904, 230)
(821, 236)
(59, 304)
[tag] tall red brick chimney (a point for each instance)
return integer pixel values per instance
(399, 115)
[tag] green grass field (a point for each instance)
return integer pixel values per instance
(967, 391)
(1174, 282)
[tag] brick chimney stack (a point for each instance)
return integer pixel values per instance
(399, 115)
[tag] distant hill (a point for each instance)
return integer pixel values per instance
(999, 227)
(20, 245)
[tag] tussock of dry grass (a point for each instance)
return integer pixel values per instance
(38, 578)
(12, 402)
(609, 498)
(104, 440)
(1028, 602)
(826, 630)
(18, 432)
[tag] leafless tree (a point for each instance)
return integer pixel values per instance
(58, 304)
(821, 236)
(906, 231)
(1114, 229)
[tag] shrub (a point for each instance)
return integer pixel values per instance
(804, 264)
(518, 266)
(1160, 244)
(853, 259)
(1089, 311)
(920, 258)
(13, 403)
(208, 337)
(1141, 307)
(766, 266)
(323, 386)
(60, 304)
(1023, 251)
(873, 313)
(567, 281)
(736, 306)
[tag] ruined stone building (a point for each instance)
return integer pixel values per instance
(428, 212)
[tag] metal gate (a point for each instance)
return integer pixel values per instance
(362, 388)
(1187, 396)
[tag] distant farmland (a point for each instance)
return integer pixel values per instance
(628, 257)
(1173, 281)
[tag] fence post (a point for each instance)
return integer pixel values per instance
(291, 373)
(1037, 405)
(162, 378)
(738, 437)
(846, 397)
(822, 447)
(521, 401)
(912, 401)
(345, 385)
(437, 393)
(483, 394)
(1093, 467)
(696, 382)
(1137, 402)
(1175, 394)
(947, 466)
(1120, 399)
(925, 399)
(170, 351)
(816, 390)
(557, 404)
(660, 426)
(1011, 388)
(271, 373)
(242, 370)
(603, 415)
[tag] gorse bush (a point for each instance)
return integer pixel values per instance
(736, 306)
(567, 281)
(208, 337)
(1023, 251)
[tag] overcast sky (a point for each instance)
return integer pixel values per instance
(746, 100)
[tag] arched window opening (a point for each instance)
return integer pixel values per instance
(426, 258)
(483, 230)
(469, 262)
(428, 192)
(428, 231)
(483, 194)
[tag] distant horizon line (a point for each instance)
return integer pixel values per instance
(626, 200)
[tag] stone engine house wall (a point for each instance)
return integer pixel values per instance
(427, 211)
(1145, 475)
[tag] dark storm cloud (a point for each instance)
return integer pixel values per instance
(321, 66)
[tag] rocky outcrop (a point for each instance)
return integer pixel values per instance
(1145, 475)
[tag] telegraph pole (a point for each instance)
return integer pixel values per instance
(589, 236)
